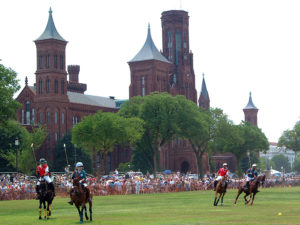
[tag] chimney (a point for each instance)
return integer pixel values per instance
(73, 71)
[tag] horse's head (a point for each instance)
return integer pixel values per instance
(262, 179)
(76, 186)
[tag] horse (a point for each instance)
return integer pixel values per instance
(46, 198)
(79, 198)
(252, 190)
(221, 189)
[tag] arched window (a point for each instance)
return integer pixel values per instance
(56, 86)
(41, 117)
(55, 61)
(47, 85)
(41, 62)
(48, 117)
(62, 86)
(48, 60)
(55, 119)
(27, 109)
(62, 118)
(61, 62)
(32, 115)
(40, 86)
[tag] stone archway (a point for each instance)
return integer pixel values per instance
(184, 167)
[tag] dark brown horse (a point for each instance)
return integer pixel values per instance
(221, 189)
(46, 198)
(252, 190)
(79, 198)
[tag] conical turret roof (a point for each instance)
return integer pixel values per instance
(204, 91)
(50, 31)
(250, 104)
(149, 51)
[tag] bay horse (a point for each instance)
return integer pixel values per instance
(221, 189)
(79, 198)
(46, 198)
(252, 190)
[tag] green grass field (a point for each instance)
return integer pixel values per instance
(173, 208)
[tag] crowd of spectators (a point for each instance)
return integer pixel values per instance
(18, 187)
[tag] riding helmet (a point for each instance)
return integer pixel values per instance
(79, 164)
(42, 160)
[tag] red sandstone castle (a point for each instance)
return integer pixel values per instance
(59, 102)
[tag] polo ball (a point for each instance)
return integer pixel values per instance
(279, 214)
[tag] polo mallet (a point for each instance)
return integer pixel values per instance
(66, 154)
(33, 153)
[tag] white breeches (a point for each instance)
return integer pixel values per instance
(84, 184)
(249, 178)
(46, 178)
(219, 178)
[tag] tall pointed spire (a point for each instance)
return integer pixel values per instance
(149, 51)
(26, 81)
(50, 31)
(204, 100)
(250, 104)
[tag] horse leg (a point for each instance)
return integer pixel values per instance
(218, 199)
(85, 213)
(45, 210)
(81, 213)
(245, 197)
(253, 198)
(48, 210)
(90, 209)
(238, 195)
(40, 210)
(216, 195)
(222, 198)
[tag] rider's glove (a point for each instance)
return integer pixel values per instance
(80, 181)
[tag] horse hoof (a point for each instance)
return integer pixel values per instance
(40, 218)
(81, 221)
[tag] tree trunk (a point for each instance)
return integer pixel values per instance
(238, 167)
(199, 156)
(154, 162)
(103, 155)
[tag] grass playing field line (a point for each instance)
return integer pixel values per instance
(172, 208)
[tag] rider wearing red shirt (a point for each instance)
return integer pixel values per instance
(42, 172)
(221, 173)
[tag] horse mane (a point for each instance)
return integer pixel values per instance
(258, 178)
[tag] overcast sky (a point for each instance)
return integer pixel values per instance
(241, 46)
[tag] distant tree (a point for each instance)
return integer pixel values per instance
(291, 138)
(8, 87)
(11, 131)
(102, 131)
(60, 156)
(124, 167)
(281, 161)
(245, 163)
(158, 111)
(296, 166)
(245, 138)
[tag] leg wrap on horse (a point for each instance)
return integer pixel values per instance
(87, 192)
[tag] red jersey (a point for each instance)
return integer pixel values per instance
(222, 172)
(42, 170)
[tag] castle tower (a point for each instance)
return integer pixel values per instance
(175, 40)
(250, 112)
(73, 84)
(149, 70)
(51, 75)
(204, 101)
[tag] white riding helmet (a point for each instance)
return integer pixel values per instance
(225, 164)
(79, 164)
(253, 165)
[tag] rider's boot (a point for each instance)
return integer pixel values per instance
(87, 192)
(51, 185)
(215, 184)
(37, 189)
(246, 186)
(71, 201)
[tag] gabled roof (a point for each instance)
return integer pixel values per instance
(50, 31)
(204, 91)
(149, 51)
(250, 104)
(84, 99)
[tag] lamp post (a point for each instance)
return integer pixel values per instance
(66, 154)
(17, 145)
